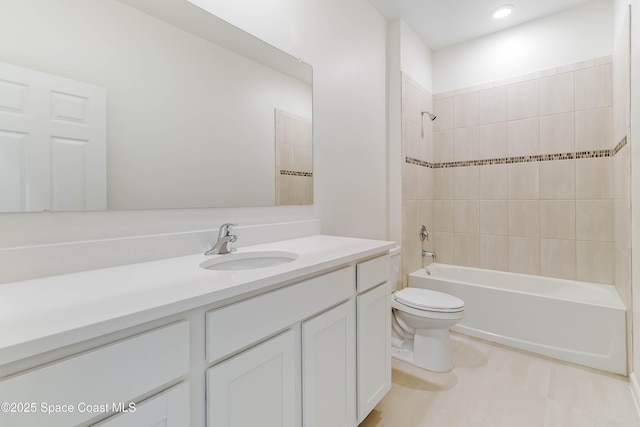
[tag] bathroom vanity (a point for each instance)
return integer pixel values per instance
(304, 343)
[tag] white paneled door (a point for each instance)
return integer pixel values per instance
(52, 142)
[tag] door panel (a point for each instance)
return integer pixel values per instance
(59, 126)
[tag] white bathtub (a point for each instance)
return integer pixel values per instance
(577, 322)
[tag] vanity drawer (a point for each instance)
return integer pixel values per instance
(236, 326)
(112, 374)
(373, 272)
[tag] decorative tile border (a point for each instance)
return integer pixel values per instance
(619, 146)
(422, 163)
(295, 173)
(522, 159)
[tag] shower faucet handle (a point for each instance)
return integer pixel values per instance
(424, 234)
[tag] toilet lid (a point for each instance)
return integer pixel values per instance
(426, 299)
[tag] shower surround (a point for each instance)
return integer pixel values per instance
(526, 175)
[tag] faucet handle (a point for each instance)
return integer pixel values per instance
(225, 229)
(230, 243)
(424, 234)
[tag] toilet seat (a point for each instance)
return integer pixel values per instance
(428, 300)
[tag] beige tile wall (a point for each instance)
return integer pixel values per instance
(293, 150)
(555, 217)
(417, 180)
(567, 218)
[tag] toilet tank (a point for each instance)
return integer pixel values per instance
(396, 267)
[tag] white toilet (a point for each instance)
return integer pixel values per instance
(421, 319)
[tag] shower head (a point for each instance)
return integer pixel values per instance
(431, 116)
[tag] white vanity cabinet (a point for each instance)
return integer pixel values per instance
(374, 333)
(256, 387)
(168, 409)
(328, 368)
(305, 347)
(328, 337)
(105, 380)
(243, 324)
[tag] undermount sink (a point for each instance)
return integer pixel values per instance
(248, 260)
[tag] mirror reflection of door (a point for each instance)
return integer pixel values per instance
(52, 142)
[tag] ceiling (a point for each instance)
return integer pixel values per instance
(442, 23)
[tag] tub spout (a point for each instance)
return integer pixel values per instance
(429, 254)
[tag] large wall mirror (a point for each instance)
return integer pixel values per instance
(146, 104)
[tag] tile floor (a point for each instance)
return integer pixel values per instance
(494, 386)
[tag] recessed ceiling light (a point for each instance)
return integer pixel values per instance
(502, 11)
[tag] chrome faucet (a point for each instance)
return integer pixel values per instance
(225, 239)
(429, 254)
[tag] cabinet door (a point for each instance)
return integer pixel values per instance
(168, 409)
(256, 387)
(328, 368)
(374, 347)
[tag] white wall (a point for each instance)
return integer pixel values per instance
(620, 9)
(345, 43)
(394, 130)
(578, 34)
(416, 58)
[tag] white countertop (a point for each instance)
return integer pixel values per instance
(43, 314)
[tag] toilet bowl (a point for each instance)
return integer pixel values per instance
(421, 319)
